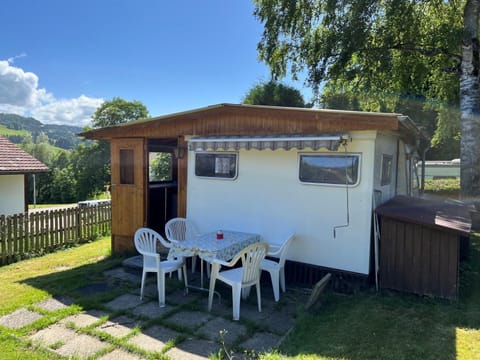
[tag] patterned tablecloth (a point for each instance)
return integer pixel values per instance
(208, 247)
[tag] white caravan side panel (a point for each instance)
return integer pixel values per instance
(268, 198)
(386, 161)
(12, 196)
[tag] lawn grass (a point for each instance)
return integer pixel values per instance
(18, 279)
(29, 281)
(368, 325)
(45, 206)
(389, 325)
(448, 188)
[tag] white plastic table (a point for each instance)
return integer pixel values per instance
(208, 247)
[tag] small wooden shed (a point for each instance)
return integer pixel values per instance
(421, 244)
(268, 170)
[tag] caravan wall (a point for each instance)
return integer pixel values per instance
(267, 197)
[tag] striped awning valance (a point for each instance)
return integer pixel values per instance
(329, 142)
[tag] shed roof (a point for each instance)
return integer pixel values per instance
(451, 216)
(241, 119)
(14, 160)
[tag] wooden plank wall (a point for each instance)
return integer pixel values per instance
(419, 259)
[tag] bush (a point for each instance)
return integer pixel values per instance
(443, 187)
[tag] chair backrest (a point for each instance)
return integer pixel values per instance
(284, 248)
(146, 239)
(251, 257)
(179, 229)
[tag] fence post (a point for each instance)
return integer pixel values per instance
(3, 238)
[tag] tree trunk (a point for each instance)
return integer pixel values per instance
(470, 104)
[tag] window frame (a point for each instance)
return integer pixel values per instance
(216, 153)
(359, 173)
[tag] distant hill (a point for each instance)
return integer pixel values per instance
(62, 136)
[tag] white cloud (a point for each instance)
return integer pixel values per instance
(76, 111)
(20, 94)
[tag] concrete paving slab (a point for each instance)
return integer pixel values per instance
(193, 349)
(250, 312)
(151, 310)
(161, 333)
(150, 291)
(126, 321)
(53, 304)
(53, 334)
(81, 346)
(153, 338)
(126, 301)
(279, 322)
(19, 318)
(219, 307)
(119, 354)
(178, 297)
(189, 319)
(81, 320)
(261, 342)
(121, 274)
(114, 329)
(212, 329)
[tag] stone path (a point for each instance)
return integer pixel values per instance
(129, 328)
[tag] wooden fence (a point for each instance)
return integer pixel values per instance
(29, 234)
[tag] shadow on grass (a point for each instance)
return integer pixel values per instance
(85, 285)
(390, 325)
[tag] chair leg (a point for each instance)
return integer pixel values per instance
(236, 293)
(210, 293)
(179, 271)
(259, 297)
(213, 278)
(275, 284)
(143, 283)
(194, 263)
(161, 288)
(185, 277)
(208, 269)
(282, 279)
(246, 292)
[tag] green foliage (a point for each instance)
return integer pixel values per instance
(374, 56)
(443, 187)
(161, 167)
(275, 94)
(118, 111)
(91, 169)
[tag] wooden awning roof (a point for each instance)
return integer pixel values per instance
(256, 120)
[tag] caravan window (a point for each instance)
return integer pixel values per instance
(216, 165)
(329, 169)
(387, 161)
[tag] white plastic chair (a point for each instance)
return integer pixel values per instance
(277, 268)
(179, 229)
(240, 278)
(146, 244)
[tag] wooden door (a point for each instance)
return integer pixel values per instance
(128, 191)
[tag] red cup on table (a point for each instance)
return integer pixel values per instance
(219, 235)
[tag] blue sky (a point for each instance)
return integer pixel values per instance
(60, 59)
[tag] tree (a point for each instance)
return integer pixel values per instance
(378, 53)
(91, 162)
(118, 111)
(275, 94)
(91, 169)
